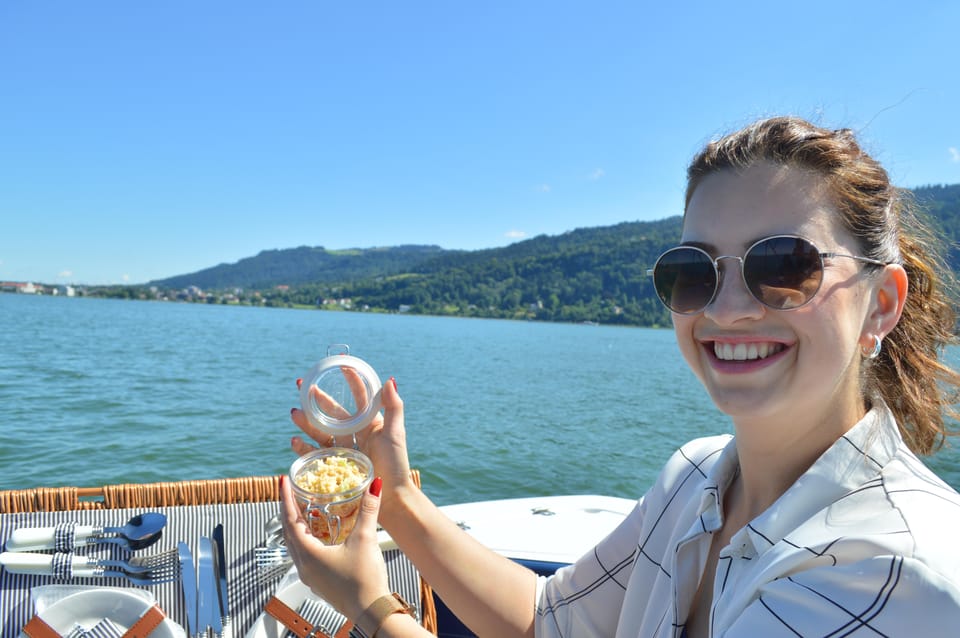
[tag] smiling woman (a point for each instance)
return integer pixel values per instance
(817, 518)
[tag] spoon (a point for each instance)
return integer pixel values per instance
(140, 532)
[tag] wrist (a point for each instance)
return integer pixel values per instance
(395, 504)
(380, 611)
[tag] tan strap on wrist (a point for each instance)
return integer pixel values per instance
(382, 608)
(298, 624)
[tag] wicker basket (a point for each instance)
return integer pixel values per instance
(254, 489)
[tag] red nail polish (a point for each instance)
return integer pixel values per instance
(393, 380)
(292, 410)
(376, 486)
(299, 382)
(281, 481)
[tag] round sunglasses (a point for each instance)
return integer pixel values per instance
(782, 272)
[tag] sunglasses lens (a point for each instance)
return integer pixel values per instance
(685, 279)
(783, 272)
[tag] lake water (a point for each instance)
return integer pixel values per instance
(95, 392)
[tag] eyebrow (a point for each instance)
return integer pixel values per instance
(711, 249)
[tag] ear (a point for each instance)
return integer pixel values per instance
(890, 295)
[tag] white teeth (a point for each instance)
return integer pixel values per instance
(745, 351)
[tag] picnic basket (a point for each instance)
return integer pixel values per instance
(256, 491)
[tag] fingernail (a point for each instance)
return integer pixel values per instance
(299, 382)
(281, 481)
(393, 380)
(292, 410)
(376, 486)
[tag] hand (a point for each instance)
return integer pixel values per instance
(349, 576)
(384, 440)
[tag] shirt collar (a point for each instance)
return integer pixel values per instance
(855, 458)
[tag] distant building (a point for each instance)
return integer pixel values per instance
(19, 286)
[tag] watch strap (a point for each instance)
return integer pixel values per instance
(373, 616)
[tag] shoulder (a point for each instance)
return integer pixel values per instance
(697, 457)
(692, 466)
(930, 510)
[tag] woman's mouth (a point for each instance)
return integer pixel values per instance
(746, 351)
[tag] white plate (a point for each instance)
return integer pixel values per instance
(90, 607)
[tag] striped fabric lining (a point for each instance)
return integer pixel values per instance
(243, 527)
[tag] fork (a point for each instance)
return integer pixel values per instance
(140, 564)
(148, 570)
(272, 562)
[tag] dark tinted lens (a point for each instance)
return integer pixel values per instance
(783, 272)
(685, 279)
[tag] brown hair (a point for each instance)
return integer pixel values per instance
(908, 374)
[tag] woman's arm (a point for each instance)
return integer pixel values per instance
(491, 594)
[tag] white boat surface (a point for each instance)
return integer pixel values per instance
(542, 532)
(549, 529)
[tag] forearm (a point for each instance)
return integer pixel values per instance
(491, 594)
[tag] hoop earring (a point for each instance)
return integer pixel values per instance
(875, 352)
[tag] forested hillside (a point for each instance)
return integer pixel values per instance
(306, 264)
(589, 274)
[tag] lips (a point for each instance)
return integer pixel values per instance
(746, 351)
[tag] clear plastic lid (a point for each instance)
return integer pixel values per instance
(341, 394)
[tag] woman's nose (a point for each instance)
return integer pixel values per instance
(733, 300)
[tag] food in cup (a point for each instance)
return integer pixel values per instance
(328, 485)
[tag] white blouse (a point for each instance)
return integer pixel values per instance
(865, 543)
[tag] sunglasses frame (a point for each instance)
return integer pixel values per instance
(718, 275)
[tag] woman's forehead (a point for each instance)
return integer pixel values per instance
(735, 209)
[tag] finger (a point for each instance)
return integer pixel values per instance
(300, 420)
(366, 527)
(392, 406)
(295, 529)
(357, 386)
(300, 446)
(328, 405)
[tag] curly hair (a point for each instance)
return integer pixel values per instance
(909, 375)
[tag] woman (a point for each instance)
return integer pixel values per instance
(807, 302)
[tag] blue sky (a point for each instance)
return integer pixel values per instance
(142, 140)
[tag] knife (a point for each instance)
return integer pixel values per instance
(220, 561)
(188, 579)
(207, 600)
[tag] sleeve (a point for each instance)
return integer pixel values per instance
(584, 599)
(881, 596)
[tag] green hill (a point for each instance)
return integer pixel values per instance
(295, 266)
(588, 274)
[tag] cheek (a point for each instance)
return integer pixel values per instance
(683, 331)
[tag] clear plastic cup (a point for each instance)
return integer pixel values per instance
(328, 485)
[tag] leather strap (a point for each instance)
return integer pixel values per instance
(36, 628)
(297, 624)
(373, 616)
(149, 621)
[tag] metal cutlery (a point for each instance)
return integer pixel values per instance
(220, 563)
(208, 601)
(139, 532)
(188, 580)
(162, 568)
